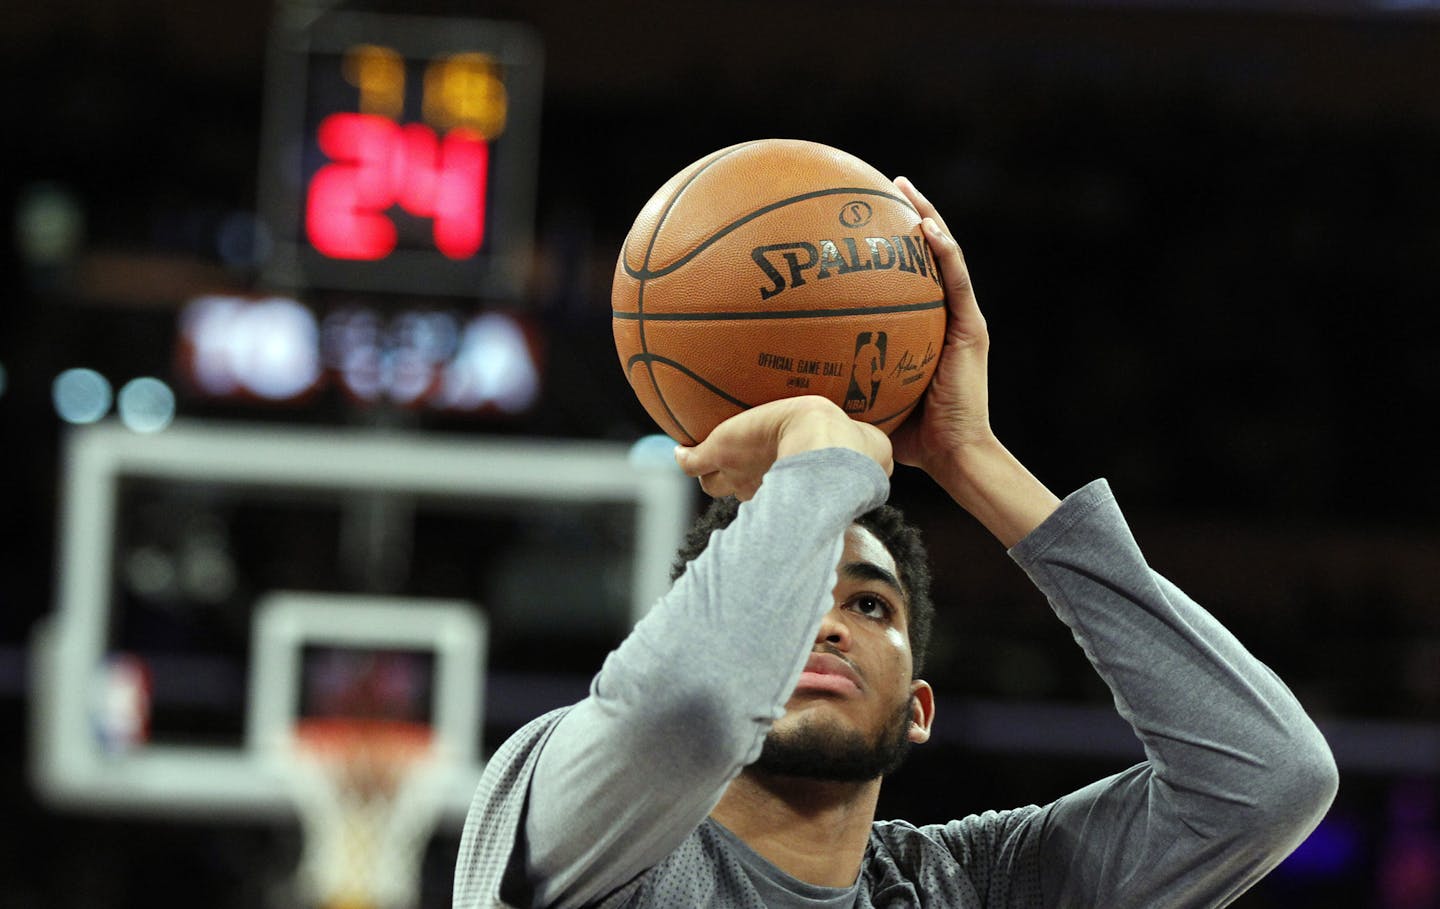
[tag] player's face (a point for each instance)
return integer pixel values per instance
(855, 708)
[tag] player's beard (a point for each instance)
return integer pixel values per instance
(827, 752)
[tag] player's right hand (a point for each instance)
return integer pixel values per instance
(734, 458)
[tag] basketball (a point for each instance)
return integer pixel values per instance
(771, 269)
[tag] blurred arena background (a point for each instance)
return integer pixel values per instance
(1205, 234)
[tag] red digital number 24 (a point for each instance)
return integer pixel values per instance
(377, 164)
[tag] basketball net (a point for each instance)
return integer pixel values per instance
(368, 797)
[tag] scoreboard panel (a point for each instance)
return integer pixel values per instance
(399, 154)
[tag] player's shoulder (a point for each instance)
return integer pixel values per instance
(508, 770)
(528, 737)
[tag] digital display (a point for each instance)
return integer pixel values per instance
(376, 164)
(400, 155)
(277, 350)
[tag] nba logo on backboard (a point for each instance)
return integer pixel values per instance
(865, 371)
(120, 704)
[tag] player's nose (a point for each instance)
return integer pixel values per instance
(834, 630)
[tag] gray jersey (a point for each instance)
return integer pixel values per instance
(605, 803)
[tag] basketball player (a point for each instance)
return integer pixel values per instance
(731, 750)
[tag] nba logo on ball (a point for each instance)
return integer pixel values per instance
(866, 371)
(771, 269)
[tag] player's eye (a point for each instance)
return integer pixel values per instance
(869, 605)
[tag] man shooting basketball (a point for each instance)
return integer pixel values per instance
(731, 750)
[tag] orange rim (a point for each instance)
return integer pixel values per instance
(338, 738)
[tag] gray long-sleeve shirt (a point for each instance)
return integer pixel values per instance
(606, 802)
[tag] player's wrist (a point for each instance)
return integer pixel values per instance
(814, 423)
(964, 465)
(810, 422)
(989, 482)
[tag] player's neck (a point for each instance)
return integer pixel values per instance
(813, 831)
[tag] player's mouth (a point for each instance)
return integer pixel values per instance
(828, 672)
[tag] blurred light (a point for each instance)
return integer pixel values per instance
(146, 405)
(466, 90)
(350, 344)
(431, 336)
(421, 342)
(410, 378)
(243, 240)
(379, 73)
(149, 572)
(3, 377)
(347, 204)
(462, 169)
(204, 326)
(277, 349)
(267, 348)
(49, 224)
(81, 395)
(422, 357)
(493, 366)
(344, 331)
(655, 452)
(207, 572)
(1331, 850)
(234, 347)
(120, 703)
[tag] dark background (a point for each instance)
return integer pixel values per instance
(1205, 236)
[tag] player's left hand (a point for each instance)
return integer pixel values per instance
(734, 458)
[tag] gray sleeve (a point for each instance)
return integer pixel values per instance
(685, 702)
(1236, 774)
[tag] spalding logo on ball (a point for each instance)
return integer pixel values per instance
(771, 269)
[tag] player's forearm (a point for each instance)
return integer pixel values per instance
(1238, 772)
(685, 702)
(988, 481)
(1195, 695)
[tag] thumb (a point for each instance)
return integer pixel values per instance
(684, 457)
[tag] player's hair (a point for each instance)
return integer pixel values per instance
(900, 538)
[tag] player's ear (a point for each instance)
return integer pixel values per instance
(922, 711)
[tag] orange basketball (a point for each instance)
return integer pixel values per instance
(771, 269)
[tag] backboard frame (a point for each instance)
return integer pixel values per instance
(70, 767)
(287, 621)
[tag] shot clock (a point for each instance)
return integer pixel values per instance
(399, 154)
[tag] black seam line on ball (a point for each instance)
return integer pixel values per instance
(780, 314)
(719, 392)
(899, 413)
(640, 290)
(646, 274)
(649, 358)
